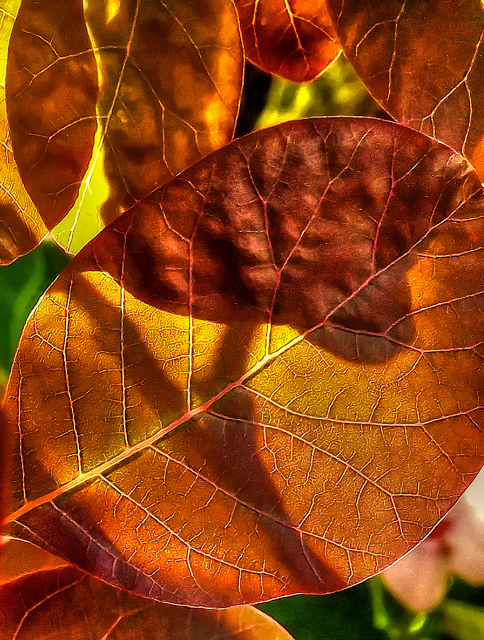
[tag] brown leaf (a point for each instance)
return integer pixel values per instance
(294, 39)
(19, 557)
(4, 469)
(51, 102)
(424, 62)
(265, 378)
(21, 227)
(66, 603)
(170, 78)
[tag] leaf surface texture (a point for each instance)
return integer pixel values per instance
(266, 377)
(424, 62)
(116, 98)
(294, 39)
(21, 227)
(66, 603)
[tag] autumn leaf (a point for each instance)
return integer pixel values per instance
(294, 39)
(19, 558)
(4, 469)
(423, 62)
(264, 378)
(67, 603)
(51, 102)
(170, 77)
(21, 227)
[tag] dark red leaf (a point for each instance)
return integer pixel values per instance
(290, 38)
(424, 62)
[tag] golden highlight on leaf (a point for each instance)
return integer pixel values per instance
(266, 377)
(21, 227)
(171, 81)
(294, 39)
(84, 221)
(56, 604)
(169, 77)
(424, 62)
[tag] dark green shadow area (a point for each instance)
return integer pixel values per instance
(345, 615)
(21, 285)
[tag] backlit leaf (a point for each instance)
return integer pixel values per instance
(51, 102)
(21, 227)
(170, 77)
(19, 557)
(290, 38)
(266, 377)
(424, 62)
(4, 469)
(66, 603)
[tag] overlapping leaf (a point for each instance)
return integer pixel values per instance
(19, 558)
(4, 469)
(266, 377)
(424, 62)
(21, 227)
(51, 102)
(169, 85)
(294, 39)
(66, 603)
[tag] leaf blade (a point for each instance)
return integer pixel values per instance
(424, 65)
(152, 88)
(65, 602)
(51, 102)
(263, 379)
(295, 40)
(21, 226)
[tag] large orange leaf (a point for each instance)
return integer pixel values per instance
(21, 227)
(424, 62)
(170, 77)
(294, 39)
(66, 603)
(266, 377)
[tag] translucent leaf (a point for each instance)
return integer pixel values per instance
(21, 227)
(51, 102)
(66, 603)
(19, 557)
(169, 78)
(290, 38)
(266, 377)
(424, 62)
